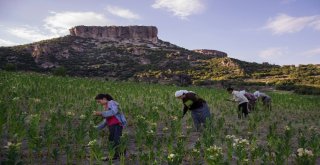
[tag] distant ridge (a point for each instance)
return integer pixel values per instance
(136, 53)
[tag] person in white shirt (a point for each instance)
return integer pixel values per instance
(242, 100)
(266, 100)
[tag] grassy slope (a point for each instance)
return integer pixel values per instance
(23, 94)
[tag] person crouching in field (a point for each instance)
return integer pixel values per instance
(242, 100)
(266, 100)
(200, 111)
(251, 98)
(112, 118)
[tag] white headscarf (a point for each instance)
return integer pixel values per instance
(256, 94)
(180, 93)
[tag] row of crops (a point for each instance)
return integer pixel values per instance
(48, 120)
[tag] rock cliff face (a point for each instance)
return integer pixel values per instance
(117, 33)
(211, 52)
(122, 53)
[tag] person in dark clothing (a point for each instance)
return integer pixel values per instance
(112, 118)
(200, 111)
(266, 99)
(251, 98)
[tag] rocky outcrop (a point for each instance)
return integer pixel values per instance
(211, 52)
(227, 62)
(45, 54)
(120, 53)
(117, 33)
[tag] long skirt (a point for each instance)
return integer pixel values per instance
(200, 115)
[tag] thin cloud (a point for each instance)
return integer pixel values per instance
(312, 52)
(283, 23)
(30, 34)
(287, 1)
(59, 23)
(316, 24)
(6, 42)
(273, 53)
(123, 13)
(180, 8)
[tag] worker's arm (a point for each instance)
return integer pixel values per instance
(112, 110)
(185, 110)
(101, 125)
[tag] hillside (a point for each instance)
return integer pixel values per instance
(136, 53)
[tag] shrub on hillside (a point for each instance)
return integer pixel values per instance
(285, 85)
(60, 71)
(203, 82)
(307, 90)
(10, 67)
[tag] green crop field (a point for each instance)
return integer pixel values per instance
(48, 120)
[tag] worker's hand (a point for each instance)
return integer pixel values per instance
(97, 113)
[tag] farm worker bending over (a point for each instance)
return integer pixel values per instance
(112, 118)
(251, 98)
(266, 100)
(242, 100)
(198, 107)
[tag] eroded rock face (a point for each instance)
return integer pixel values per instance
(44, 55)
(117, 33)
(227, 62)
(211, 52)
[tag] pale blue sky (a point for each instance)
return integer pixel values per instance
(274, 31)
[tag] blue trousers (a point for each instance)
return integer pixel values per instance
(200, 115)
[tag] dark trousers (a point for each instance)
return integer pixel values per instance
(251, 105)
(115, 132)
(243, 110)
